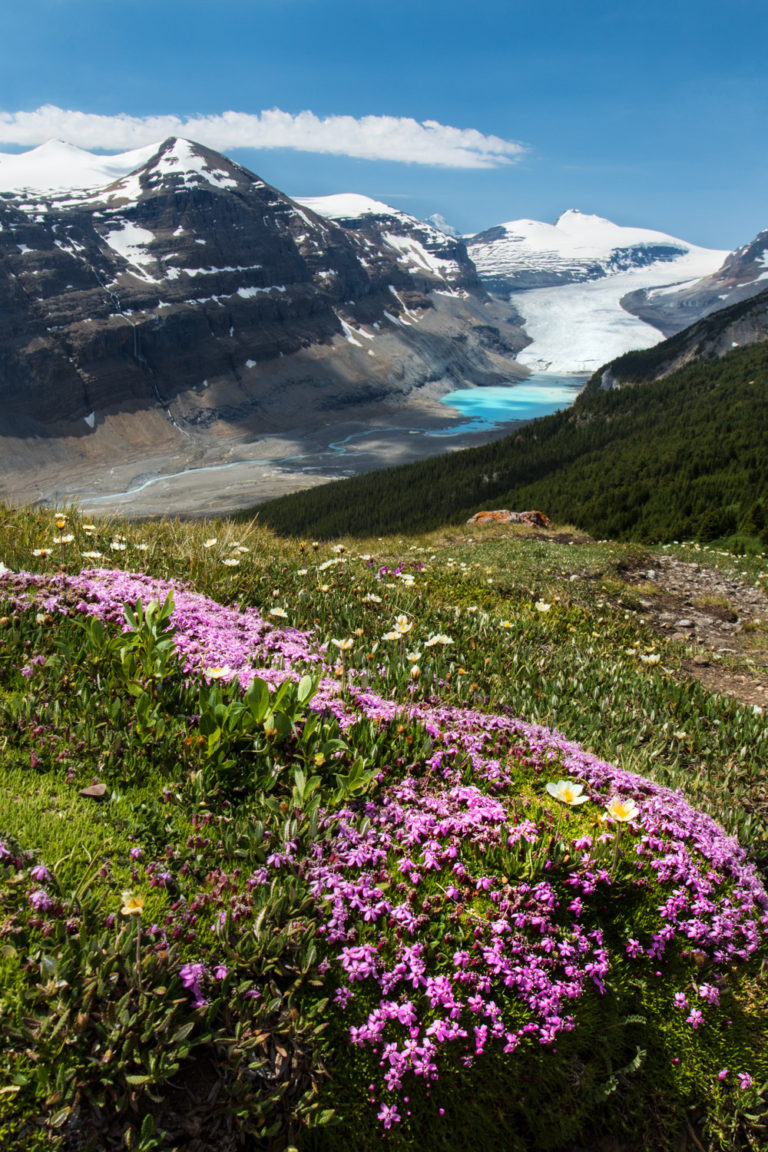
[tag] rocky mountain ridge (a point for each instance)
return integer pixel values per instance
(712, 337)
(742, 275)
(165, 304)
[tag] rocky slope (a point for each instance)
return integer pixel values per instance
(743, 274)
(168, 298)
(423, 251)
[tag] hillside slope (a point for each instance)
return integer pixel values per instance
(672, 458)
(743, 323)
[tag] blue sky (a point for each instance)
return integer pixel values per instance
(652, 113)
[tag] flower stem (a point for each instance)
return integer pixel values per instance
(616, 851)
(138, 952)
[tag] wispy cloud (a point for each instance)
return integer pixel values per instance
(395, 138)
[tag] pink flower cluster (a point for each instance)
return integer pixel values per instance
(459, 951)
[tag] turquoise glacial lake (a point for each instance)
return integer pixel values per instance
(539, 395)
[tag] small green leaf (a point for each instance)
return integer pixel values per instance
(182, 1033)
(147, 1126)
(306, 689)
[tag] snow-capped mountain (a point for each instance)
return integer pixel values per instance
(567, 281)
(577, 248)
(58, 166)
(742, 275)
(156, 298)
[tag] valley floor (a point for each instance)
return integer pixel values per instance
(216, 477)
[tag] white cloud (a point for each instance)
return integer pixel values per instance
(396, 138)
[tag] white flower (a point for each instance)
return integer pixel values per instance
(505, 623)
(403, 625)
(89, 527)
(438, 638)
(541, 606)
(413, 656)
(622, 810)
(391, 636)
(371, 598)
(415, 672)
(41, 551)
(344, 645)
(133, 904)
(231, 562)
(91, 555)
(302, 572)
(116, 546)
(217, 672)
(142, 547)
(278, 612)
(337, 548)
(63, 539)
(209, 543)
(567, 792)
(651, 658)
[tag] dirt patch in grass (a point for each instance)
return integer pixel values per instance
(723, 618)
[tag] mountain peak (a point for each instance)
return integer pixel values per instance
(179, 159)
(573, 219)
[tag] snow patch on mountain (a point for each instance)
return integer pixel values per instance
(132, 243)
(416, 257)
(421, 247)
(182, 159)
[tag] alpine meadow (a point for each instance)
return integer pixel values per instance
(383, 576)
